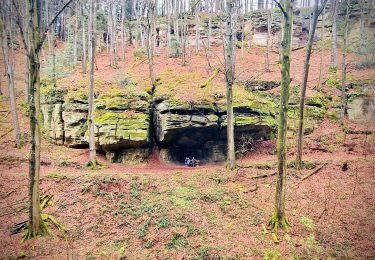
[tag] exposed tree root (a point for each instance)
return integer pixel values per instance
(275, 222)
(94, 165)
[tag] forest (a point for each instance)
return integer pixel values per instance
(187, 129)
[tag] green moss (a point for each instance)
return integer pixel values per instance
(334, 83)
(318, 99)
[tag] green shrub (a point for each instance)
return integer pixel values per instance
(175, 49)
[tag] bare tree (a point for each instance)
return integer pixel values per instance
(112, 34)
(33, 44)
(84, 51)
(149, 36)
(123, 17)
(229, 53)
(92, 156)
(279, 216)
(344, 65)
(197, 27)
(269, 22)
(310, 42)
(76, 27)
(4, 33)
(322, 43)
(335, 7)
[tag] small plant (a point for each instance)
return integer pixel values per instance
(344, 166)
(175, 49)
(143, 229)
(271, 254)
(307, 222)
(162, 223)
(139, 54)
(134, 190)
(177, 240)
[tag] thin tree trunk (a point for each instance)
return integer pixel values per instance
(149, 34)
(197, 32)
(84, 51)
(210, 26)
(243, 37)
(279, 217)
(362, 32)
(344, 65)
(10, 78)
(123, 41)
(76, 27)
(321, 68)
(36, 225)
(335, 4)
(49, 34)
(269, 21)
(92, 156)
(310, 42)
(229, 76)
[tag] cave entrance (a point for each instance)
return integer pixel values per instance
(210, 152)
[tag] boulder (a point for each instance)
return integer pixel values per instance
(116, 130)
(74, 116)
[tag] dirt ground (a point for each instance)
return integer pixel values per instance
(160, 211)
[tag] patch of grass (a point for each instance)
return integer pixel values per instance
(163, 223)
(307, 222)
(209, 197)
(177, 240)
(182, 196)
(135, 190)
(54, 175)
(333, 116)
(270, 254)
(143, 229)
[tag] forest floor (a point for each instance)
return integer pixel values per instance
(161, 211)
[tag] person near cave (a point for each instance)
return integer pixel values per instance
(187, 161)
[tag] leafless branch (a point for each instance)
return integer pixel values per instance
(281, 8)
(51, 23)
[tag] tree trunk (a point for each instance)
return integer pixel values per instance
(321, 67)
(36, 225)
(210, 26)
(76, 26)
(362, 32)
(10, 78)
(304, 82)
(344, 52)
(92, 156)
(49, 34)
(149, 34)
(112, 34)
(123, 41)
(84, 51)
(229, 76)
(269, 21)
(197, 32)
(279, 217)
(335, 4)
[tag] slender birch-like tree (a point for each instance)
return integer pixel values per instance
(279, 216)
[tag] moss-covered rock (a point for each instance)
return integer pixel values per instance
(121, 129)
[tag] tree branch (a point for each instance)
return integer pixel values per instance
(322, 7)
(18, 22)
(281, 8)
(39, 46)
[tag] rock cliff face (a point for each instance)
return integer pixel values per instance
(126, 127)
(200, 131)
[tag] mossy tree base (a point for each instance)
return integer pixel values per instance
(276, 222)
(93, 165)
(231, 166)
